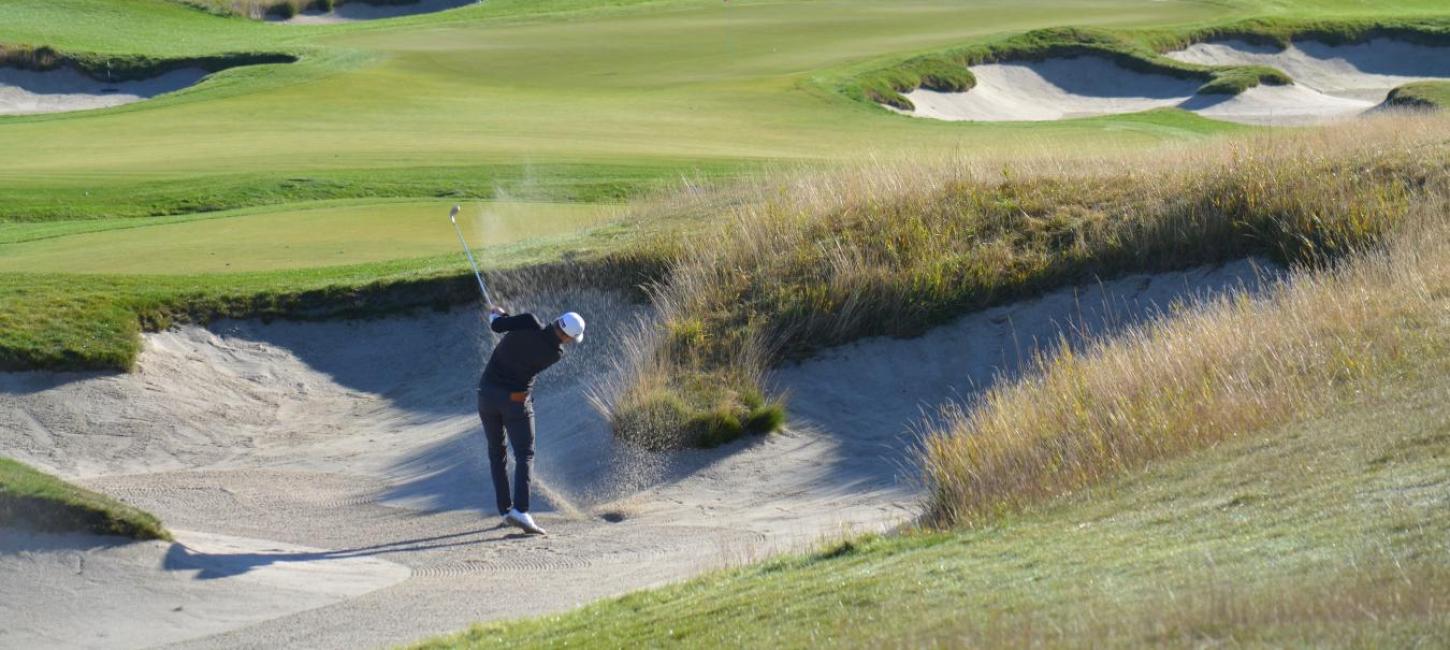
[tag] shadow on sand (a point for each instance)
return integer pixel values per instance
(211, 566)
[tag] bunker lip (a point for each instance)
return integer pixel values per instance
(1331, 82)
(356, 11)
(43, 80)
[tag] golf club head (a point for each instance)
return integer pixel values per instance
(453, 214)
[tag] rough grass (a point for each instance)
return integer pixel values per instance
(1326, 529)
(33, 499)
(1139, 50)
(1230, 369)
(892, 249)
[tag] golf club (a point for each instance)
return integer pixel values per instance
(453, 217)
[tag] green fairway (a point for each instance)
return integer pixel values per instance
(666, 86)
(579, 101)
(695, 83)
(300, 237)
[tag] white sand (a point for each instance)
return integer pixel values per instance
(1364, 71)
(64, 89)
(99, 593)
(360, 439)
(1331, 83)
(1053, 89)
(355, 11)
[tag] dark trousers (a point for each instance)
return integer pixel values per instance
(500, 415)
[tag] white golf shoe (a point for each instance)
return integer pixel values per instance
(524, 521)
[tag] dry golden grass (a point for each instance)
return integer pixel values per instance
(892, 248)
(1225, 369)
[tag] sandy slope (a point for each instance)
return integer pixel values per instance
(1364, 71)
(353, 449)
(64, 89)
(1332, 82)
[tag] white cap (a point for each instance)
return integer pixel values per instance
(573, 325)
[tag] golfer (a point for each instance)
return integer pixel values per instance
(506, 403)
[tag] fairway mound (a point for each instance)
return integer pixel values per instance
(1331, 82)
(25, 92)
(1365, 72)
(359, 441)
(357, 11)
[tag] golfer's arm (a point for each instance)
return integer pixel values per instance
(503, 324)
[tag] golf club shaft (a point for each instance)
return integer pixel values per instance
(453, 217)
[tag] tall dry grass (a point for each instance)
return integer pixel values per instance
(1228, 368)
(892, 248)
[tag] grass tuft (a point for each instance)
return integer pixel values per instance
(35, 500)
(1425, 95)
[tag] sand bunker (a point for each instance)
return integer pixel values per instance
(24, 92)
(1331, 82)
(1362, 71)
(353, 442)
(98, 593)
(355, 11)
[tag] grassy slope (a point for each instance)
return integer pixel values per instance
(262, 239)
(33, 499)
(1428, 94)
(72, 321)
(1303, 537)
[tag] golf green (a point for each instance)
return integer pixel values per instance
(300, 237)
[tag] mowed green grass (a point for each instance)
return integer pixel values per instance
(295, 238)
(692, 83)
(587, 88)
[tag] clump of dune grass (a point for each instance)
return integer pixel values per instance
(894, 248)
(38, 501)
(1232, 367)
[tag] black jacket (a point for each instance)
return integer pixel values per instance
(527, 348)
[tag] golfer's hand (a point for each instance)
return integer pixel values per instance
(496, 311)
